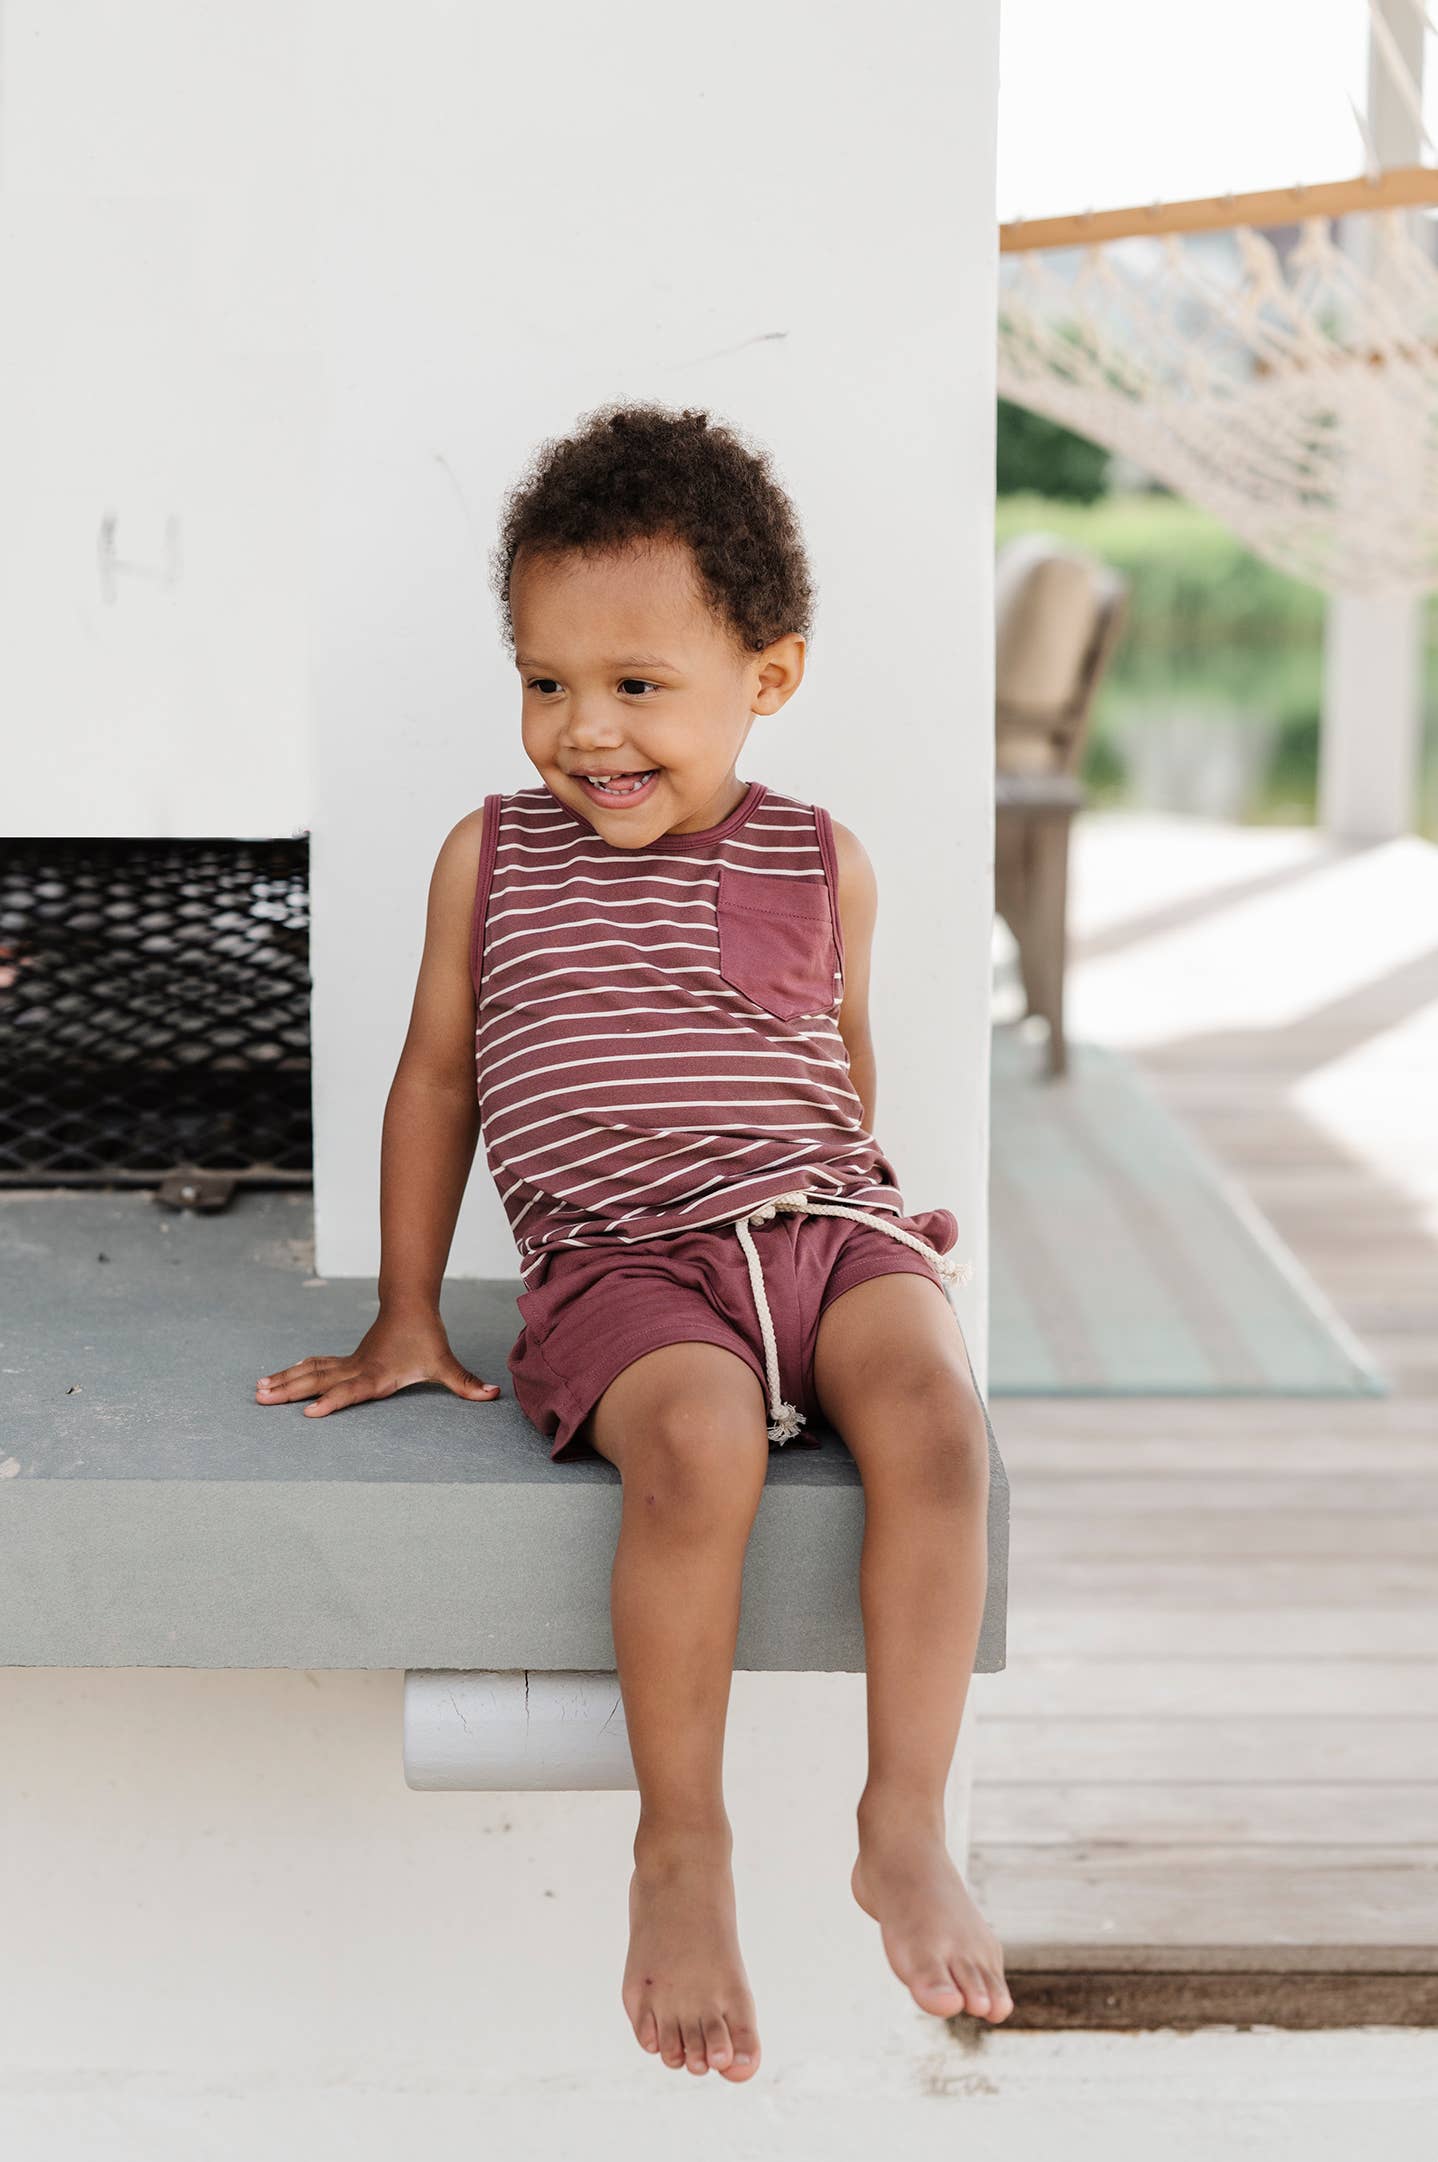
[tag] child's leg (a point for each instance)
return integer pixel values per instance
(891, 1374)
(686, 1426)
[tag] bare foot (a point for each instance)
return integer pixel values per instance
(935, 1938)
(685, 1988)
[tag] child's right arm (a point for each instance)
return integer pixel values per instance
(431, 1127)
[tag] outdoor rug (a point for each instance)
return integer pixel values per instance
(1124, 1260)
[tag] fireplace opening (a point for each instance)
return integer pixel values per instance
(155, 1015)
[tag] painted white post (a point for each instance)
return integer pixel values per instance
(1372, 680)
(1372, 693)
(445, 377)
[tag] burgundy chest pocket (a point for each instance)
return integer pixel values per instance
(776, 941)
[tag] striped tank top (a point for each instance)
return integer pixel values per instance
(657, 1043)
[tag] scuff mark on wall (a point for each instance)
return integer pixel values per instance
(761, 337)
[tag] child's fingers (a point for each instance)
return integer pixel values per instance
(463, 1382)
(333, 1383)
(306, 1378)
(353, 1384)
(358, 1391)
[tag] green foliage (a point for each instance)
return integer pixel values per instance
(1037, 456)
(1103, 772)
(1209, 625)
(1193, 584)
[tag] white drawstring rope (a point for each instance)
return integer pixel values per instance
(787, 1419)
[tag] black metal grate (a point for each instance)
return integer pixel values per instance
(154, 1010)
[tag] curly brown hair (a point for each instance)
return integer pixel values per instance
(641, 471)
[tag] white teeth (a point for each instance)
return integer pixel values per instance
(595, 781)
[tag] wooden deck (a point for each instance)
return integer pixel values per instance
(1208, 1779)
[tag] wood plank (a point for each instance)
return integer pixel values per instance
(1125, 1999)
(1304, 1957)
(1030, 1456)
(1261, 1813)
(1198, 1419)
(1407, 1361)
(1093, 1534)
(1315, 1190)
(1084, 1492)
(1101, 1630)
(1167, 1894)
(1397, 1342)
(1373, 1312)
(1074, 1688)
(1346, 1218)
(1217, 1752)
(1146, 1583)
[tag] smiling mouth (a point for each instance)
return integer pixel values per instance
(617, 787)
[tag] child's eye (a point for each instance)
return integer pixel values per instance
(546, 684)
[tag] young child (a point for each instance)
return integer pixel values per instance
(662, 983)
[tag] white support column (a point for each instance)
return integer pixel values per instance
(1372, 704)
(1372, 678)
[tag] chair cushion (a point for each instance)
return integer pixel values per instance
(1047, 603)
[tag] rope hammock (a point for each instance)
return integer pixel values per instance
(1294, 396)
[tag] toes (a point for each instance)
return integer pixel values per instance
(717, 2046)
(746, 2051)
(671, 2044)
(972, 1986)
(937, 1992)
(985, 1991)
(701, 2045)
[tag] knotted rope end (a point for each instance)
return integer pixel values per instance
(786, 1423)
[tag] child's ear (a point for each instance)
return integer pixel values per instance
(779, 673)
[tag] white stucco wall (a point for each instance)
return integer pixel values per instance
(309, 281)
(293, 290)
(232, 1931)
(159, 362)
(794, 228)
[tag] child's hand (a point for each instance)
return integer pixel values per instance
(392, 1354)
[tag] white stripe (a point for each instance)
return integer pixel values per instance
(651, 1034)
(776, 1126)
(663, 1058)
(817, 1034)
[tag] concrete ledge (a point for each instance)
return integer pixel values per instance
(152, 1514)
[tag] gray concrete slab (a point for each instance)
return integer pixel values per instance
(153, 1514)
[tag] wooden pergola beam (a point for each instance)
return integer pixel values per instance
(1404, 187)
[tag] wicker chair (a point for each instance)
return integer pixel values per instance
(1058, 615)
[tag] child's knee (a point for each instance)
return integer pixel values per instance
(698, 1463)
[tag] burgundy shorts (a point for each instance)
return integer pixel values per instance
(600, 1309)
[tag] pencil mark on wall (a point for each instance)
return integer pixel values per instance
(463, 501)
(762, 337)
(113, 566)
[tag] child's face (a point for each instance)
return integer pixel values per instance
(624, 667)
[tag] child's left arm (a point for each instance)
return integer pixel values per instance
(858, 909)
